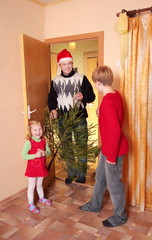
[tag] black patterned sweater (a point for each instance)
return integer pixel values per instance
(62, 91)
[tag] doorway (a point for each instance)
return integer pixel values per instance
(87, 54)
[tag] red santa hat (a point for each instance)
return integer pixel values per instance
(64, 55)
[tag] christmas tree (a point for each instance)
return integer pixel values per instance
(64, 148)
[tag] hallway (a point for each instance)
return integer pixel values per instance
(64, 221)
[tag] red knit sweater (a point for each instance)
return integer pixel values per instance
(111, 117)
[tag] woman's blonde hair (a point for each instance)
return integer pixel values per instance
(103, 74)
(32, 123)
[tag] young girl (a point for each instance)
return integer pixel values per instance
(36, 150)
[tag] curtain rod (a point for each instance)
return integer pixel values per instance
(133, 13)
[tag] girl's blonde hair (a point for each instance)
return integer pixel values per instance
(32, 123)
(103, 74)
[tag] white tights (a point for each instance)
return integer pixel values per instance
(32, 183)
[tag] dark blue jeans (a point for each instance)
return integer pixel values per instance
(76, 163)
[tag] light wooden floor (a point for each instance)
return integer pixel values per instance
(65, 221)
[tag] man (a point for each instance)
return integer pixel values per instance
(68, 89)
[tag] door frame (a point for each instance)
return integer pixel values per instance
(87, 55)
(85, 36)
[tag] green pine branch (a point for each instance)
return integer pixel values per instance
(58, 138)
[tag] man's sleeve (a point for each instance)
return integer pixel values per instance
(87, 91)
(52, 98)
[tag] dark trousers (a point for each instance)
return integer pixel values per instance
(74, 147)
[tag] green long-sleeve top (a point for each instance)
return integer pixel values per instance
(27, 148)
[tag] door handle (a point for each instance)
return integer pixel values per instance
(29, 112)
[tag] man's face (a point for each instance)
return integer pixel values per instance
(66, 67)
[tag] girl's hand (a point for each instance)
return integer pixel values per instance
(78, 96)
(110, 162)
(38, 154)
(42, 153)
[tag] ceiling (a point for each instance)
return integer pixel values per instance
(48, 1)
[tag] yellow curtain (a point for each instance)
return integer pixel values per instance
(136, 88)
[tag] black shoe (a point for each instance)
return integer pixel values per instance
(69, 179)
(107, 224)
(81, 180)
(86, 208)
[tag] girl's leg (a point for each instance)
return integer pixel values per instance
(30, 195)
(39, 187)
(30, 190)
(116, 189)
(95, 204)
(40, 191)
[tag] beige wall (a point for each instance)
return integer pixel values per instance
(62, 19)
(83, 16)
(16, 16)
(77, 54)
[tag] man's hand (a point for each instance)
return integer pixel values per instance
(97, 111)
(54, 114)
(78, 96)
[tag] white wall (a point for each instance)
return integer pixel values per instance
(16, 16)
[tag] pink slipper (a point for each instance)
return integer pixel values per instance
(46, 201)
(33, 208)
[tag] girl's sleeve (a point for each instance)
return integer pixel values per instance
(48, 151)
(26, 149)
